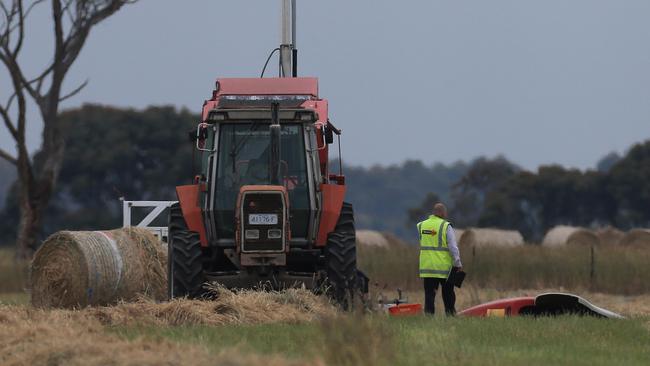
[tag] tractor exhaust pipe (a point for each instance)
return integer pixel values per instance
(294, 43)
(276, 177)
(288, 49)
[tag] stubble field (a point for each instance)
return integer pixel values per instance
(297, 328)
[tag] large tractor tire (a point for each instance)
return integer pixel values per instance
(341, 259)
(184, 261)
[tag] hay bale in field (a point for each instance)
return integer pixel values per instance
(569, 235)
(371, 238)
(82, 268)
(481, 237)
(610, 235)
(394, 241)
(639, 238)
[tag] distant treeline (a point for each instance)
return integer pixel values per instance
(496, 193)
(617, 194)
(142, 155)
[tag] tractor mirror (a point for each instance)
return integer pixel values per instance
(201, 136)
(329, 134)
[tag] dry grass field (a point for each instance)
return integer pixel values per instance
(31, 336)
(297, 328)
(615, 270)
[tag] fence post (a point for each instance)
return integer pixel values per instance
(592, 272)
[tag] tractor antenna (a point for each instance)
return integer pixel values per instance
(267, 61)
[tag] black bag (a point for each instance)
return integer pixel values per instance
(457, 278)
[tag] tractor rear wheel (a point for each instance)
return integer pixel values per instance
(341, 258)
(184, 260)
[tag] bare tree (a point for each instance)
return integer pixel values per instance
(72, 21)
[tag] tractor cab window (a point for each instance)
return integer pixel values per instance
(244, 158)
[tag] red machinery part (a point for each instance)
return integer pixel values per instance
(405, 309)
(332, 202)
(548, 304)
(504, 307)
(188, 198)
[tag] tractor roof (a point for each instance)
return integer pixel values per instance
(255, 92)
(266, 86)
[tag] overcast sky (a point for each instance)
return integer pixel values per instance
(553, 81)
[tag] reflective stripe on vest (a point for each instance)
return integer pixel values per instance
(434, 271)
(435, 248)
(435, 259)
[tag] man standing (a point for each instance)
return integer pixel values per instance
(439, 258)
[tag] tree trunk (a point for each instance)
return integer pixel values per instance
(38, 179)
(28, 229)
(34, 199)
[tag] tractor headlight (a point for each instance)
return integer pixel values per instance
(252, 234)
(275, 234)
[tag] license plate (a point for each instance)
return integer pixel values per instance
(262, 219)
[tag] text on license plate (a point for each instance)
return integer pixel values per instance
(262, 219)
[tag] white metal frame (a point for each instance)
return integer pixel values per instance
(157, 208)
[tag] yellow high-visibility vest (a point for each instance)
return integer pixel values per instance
(435, 260)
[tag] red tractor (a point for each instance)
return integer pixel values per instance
(265, 210)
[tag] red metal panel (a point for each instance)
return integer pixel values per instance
(332, 203)
(268, 86)
(207, 107)
(405, 309)
(321, 107)
(188, 197)
(503, 307)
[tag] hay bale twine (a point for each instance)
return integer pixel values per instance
(610, 235)
(371, 238)
(569, 235)
(639, 238)
(83, 268)
(484, 237)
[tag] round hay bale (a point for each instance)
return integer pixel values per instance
(394, 241)
(639, 238)
(459, 233)
(371, 238)
(569, 235)
(610, 235)
(81, 268)
(480, 237)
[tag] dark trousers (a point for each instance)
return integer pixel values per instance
(448, 295)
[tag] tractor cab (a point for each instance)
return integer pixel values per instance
(246, 153)
(256, 134)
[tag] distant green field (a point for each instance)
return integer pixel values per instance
(614, 270)
(13, 274)
(14, 298)
(378, 340)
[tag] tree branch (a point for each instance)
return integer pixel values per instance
(74, 92)
(5, 155)
(21, 28)
(8, 124)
